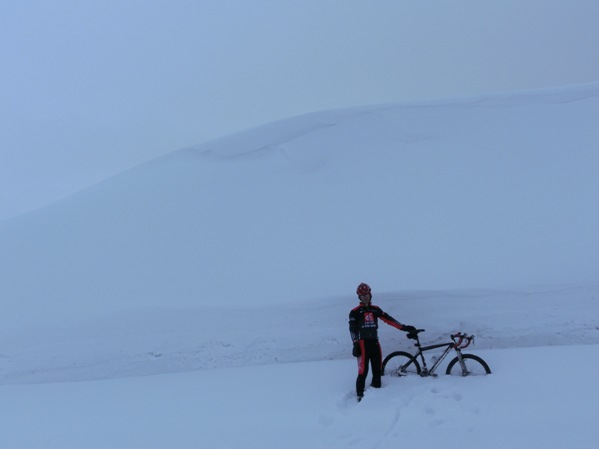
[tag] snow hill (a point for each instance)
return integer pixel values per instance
(227, 270)
(478, 192)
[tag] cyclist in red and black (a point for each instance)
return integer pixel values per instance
(363, 325)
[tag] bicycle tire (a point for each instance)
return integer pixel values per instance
(399, 364)
(475, 366)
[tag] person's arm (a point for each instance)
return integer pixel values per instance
(393, 322)
(354, 331)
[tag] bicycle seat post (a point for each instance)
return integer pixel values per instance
(417, 344)
(417, 337)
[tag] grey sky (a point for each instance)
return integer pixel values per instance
(90, 88)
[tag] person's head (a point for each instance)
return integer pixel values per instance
(364, 293)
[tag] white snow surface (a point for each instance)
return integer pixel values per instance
(201, 300)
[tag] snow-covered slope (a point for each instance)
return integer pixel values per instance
(230, 269)
(489, 191)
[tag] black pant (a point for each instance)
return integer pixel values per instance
(370, 354)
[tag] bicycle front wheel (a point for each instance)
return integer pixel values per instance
(398, 364)
(473, 366)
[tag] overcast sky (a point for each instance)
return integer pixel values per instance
(89, 88)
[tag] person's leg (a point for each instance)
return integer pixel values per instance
(376, 358)
(363, 361)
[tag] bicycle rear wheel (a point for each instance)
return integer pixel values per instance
(399, 363)
(473, 365)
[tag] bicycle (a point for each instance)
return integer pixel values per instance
(402, 363)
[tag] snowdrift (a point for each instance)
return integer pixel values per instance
(482, 192)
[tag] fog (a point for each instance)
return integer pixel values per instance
(89, 89)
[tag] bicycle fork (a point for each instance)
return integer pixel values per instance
(461, 362)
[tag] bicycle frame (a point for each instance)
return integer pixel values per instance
(463, 342)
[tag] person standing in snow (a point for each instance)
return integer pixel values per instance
(363, 325)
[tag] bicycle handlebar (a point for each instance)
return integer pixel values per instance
(464, 340)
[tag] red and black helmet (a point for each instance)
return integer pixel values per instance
(363, 289)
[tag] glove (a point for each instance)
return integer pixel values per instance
(356, 352)
(409, 329)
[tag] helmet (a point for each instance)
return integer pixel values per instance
(363, 289)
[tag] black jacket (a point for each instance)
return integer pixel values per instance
(363, 322)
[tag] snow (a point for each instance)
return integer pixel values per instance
(201, 299)
(535, 396)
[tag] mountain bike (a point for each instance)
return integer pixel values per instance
(402, 363)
